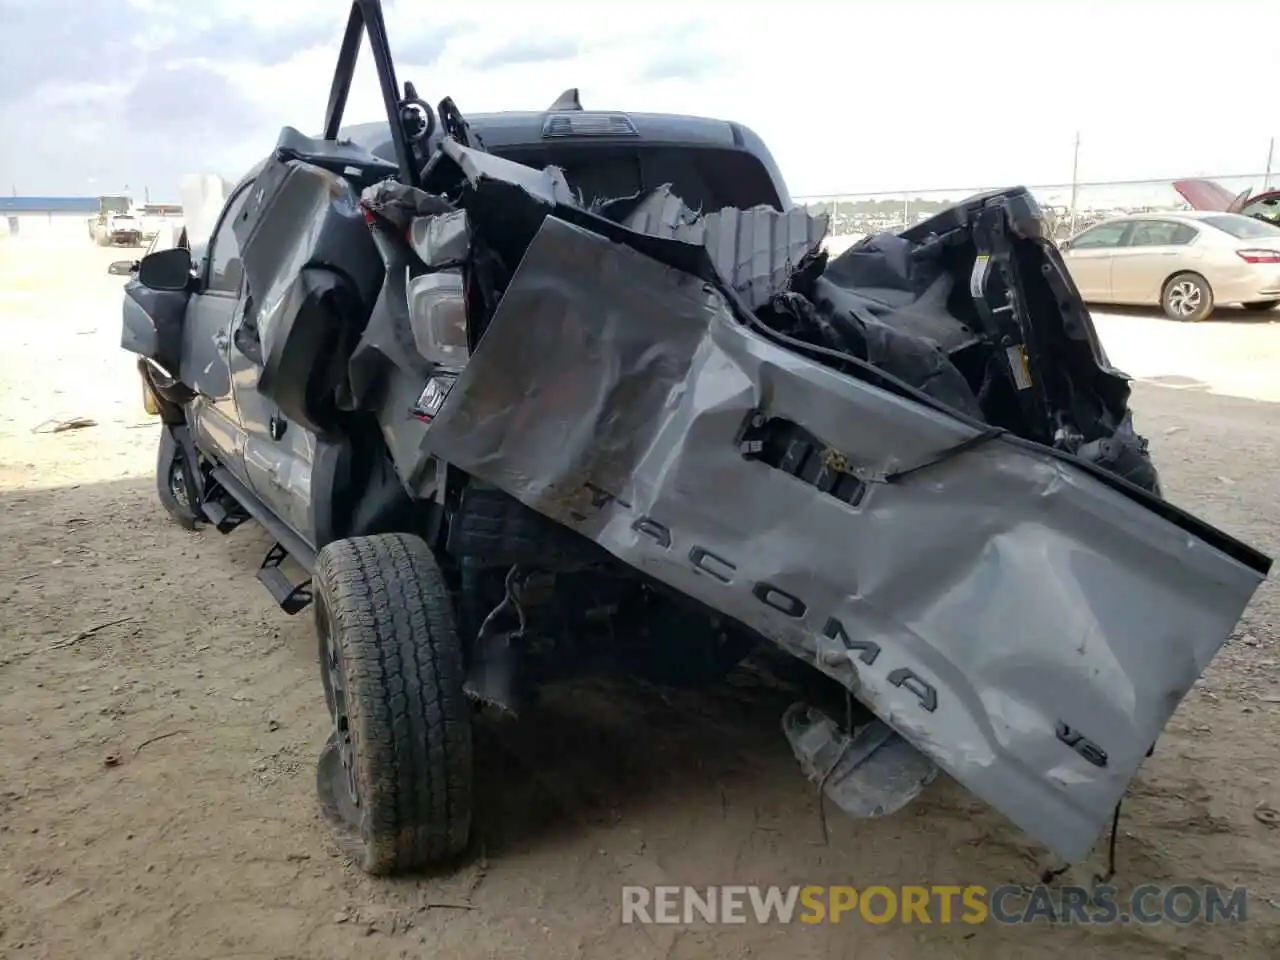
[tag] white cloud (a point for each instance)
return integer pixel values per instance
(849, 96)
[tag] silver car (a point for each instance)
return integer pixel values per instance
(1186, 263)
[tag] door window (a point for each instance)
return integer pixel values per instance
(226, 270)
(1160, 233)
(1100, 237)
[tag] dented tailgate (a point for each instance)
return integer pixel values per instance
(1024, 624)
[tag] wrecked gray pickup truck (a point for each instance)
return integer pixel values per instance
(505, 426)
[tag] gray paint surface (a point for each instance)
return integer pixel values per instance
(1024, 593)
(755, 250)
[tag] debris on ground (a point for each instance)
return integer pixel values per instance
(86, 634)
(61, 426)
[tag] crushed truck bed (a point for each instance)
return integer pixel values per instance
(910, 466)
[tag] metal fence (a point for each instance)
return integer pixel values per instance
(1068, 208)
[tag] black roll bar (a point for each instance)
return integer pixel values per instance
(366, 18)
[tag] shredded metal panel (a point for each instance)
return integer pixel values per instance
(980, 608)
(755, 250)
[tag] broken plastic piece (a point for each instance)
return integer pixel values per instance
(441, 241)
(872, 773)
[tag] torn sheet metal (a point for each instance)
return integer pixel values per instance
(404, 431)
(924, 315)
(441, 241)
(547, 185)
(756, 251)
(1025, 625)
(400, 205)
(915, 360)
(310, 267)
(388, 354)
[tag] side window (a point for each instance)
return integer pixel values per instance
(1103, 235)
(226, 271)
(1160, 233)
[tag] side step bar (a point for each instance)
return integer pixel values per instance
(291, 597)
(293, 544)
(223, 520)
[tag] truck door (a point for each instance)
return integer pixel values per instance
(206, 342)
(278, 453)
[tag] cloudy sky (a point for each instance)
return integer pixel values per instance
(851, 95)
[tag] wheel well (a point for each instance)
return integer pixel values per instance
(356, 491)
(169, 401)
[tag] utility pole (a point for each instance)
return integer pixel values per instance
(1075, 182)
(1271, 150)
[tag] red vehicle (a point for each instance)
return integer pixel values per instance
(1207, 195)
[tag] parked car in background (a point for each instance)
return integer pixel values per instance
(1186, 263)
(1211, 196)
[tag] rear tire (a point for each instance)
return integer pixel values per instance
(1259, 306)
(395, 778)
(1187, 297)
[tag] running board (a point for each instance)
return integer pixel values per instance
(296, 547)
(292, 597)
(216, 512)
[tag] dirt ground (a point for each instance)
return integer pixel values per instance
(160, 720)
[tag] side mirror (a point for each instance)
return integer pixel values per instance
(166, 270)
(120, 268)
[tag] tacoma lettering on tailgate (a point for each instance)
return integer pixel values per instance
(722, 569)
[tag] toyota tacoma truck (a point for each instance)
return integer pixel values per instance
(513, 393)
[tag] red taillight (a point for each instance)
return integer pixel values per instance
(1259, 256)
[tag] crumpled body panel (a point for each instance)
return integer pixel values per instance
(1027, 626)
(755, 251)
(312, 276)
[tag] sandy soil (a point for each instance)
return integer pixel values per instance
(160, 718)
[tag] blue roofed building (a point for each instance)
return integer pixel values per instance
(47, 217)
